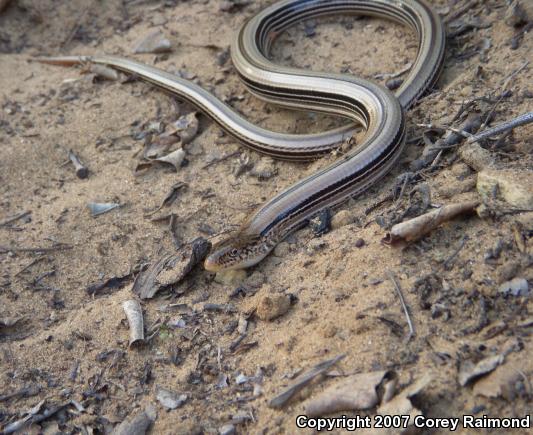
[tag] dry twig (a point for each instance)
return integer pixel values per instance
(419, 226)
(302, 381)
(404, 306)
(526, 118)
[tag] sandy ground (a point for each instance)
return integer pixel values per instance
(67, 344)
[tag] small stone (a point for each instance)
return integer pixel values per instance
(508, 271)
(453, 188)
(514, 186)
(264, 169)
(321, 224)
(271, 306)
(230, 277)
(315, 245)
(169, 399)
(222, 57)
(466, 91)
(476, 157)
(309, 30)
(241, 378)
(154, 42)
(329, 331)
(515, 287)
(359, 243)
(282, 249)
(258, 390)
(460, 170)
(227, 429)
(523, 146)
(394, 83)
(256, 279)
(517, 13)
(341, 219)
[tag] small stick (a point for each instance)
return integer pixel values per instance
(448, 261)
(221, 159)
(460, 11)
(14, 218)
(526, 118)
(304, 379)
(76, 27)
(81, 170)
(415, 228)
(5, 249)
(513, 74)
(173, 228)
(25, 268)
(404, 306)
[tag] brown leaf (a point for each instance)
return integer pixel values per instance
(499, 383)
(186, 127)
(402, 404)
(351, 393)
(470, 371)
(171, 269)
(154, 42)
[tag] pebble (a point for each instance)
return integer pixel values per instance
(230, 277)
(518, 12)
(256, 279)
(282, 249)
(315, 245)
(466, 91)
(394, 83)
(460, 170)
(329, 331)
(264, 169)
(359, 243)
(514, 186)
(154, 42)
(455, 187)
(508, 271)
(321, 224)
(476, 157)
(341, 219)
(271, 306)
(227, 429)
(515, 287)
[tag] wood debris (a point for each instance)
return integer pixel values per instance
(418, 227)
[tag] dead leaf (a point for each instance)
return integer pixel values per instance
(134, 313)
(158, 146)
(171, 269)
(154, 42)
(402, 404)
(288, 393)
(186, 127)
(498, 383)
(351, 393)
(98, 208)
(470, 370)
(169, 399)
(174, 159)
(137, 424)
(8, 322)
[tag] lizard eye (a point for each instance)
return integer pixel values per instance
(234, 252)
